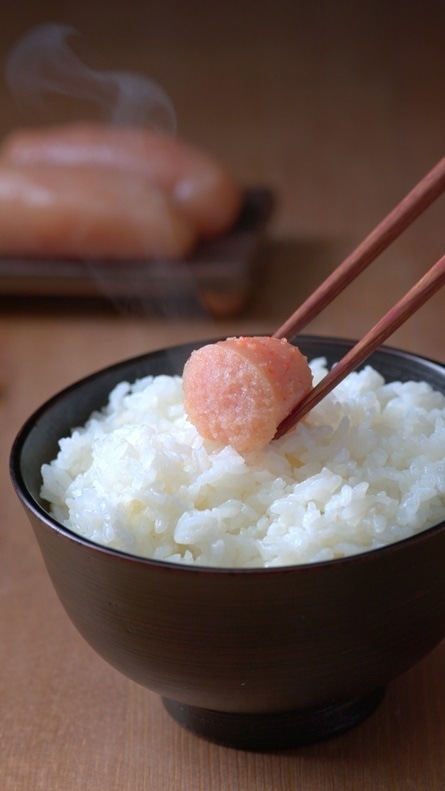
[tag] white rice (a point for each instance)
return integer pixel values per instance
(365, 469)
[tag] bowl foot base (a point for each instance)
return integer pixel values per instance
(276, 730)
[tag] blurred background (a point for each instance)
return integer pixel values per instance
(338, 108)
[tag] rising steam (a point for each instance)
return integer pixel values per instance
(42, 63)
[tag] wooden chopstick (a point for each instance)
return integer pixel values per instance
(420, 197)
(392, 320)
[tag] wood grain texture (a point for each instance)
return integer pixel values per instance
(339, 108)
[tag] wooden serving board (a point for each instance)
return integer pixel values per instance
(217, 279)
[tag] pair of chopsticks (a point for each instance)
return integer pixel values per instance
(423, 194)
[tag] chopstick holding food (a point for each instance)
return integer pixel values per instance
(224, 392)
(431, 282)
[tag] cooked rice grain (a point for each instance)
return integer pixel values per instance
(364, 469)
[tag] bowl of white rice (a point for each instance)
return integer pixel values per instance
(270, 597)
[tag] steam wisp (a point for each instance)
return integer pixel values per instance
(42, 63)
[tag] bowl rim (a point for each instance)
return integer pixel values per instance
(44, 517)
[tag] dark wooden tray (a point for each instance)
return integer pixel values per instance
(217, 279)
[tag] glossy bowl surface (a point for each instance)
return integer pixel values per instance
(257, 658)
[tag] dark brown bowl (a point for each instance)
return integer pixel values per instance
(257, 658)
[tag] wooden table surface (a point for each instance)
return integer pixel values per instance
(339, 108)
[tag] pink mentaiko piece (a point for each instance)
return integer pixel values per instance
(198, 185)
(239, 390)
(88, 212)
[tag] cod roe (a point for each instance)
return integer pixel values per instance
(239, 390)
